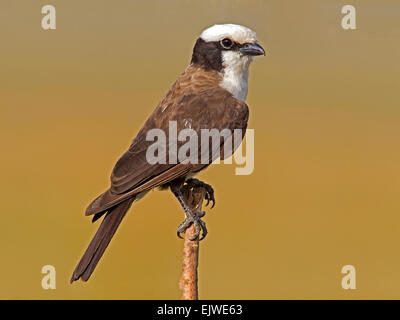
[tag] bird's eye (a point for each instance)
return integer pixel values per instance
(226, 43)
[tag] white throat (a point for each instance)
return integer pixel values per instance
(235, 73)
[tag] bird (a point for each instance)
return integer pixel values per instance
(209, 94)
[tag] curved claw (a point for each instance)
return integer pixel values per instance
(213, 201)
(210, 197)
(205, 232)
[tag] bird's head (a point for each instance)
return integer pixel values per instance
(229, 50)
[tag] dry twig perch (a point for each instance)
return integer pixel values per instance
(188, 281)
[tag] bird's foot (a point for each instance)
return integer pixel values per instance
(191, 187)
(199, 225)
(196, 183)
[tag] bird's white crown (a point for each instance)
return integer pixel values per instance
(235, 32)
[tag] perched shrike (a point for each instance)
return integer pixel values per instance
(209, 94)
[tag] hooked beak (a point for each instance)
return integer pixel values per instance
(252, 49)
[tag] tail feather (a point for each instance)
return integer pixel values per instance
(100, 241)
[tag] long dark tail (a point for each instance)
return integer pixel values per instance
(100, 241)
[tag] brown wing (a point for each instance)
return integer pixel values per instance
(214, 108)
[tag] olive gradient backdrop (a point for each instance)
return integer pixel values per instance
(325, 109)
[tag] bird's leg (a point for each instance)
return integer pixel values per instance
(191, 217)
(196, 183)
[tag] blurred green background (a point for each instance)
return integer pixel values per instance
(324, 105)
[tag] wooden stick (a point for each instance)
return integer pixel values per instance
(188, 281)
